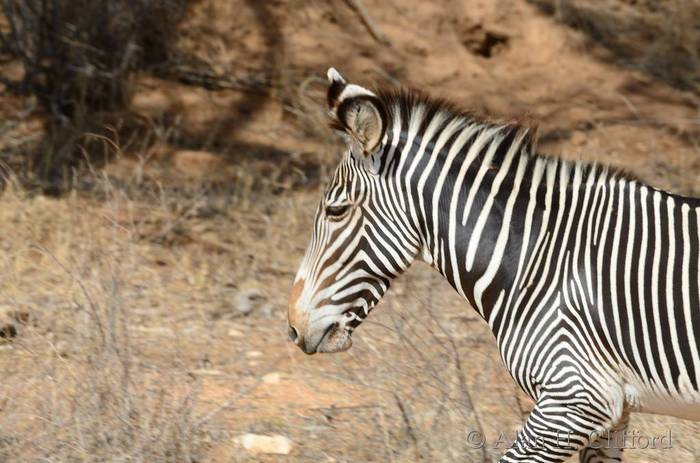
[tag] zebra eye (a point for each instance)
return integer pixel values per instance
(336, 212)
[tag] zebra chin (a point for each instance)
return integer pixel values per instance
(339, 340)
(333, 338)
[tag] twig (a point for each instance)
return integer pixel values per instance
(461, 378)
(385, 433)
(205, 78)
(345, 407)
(367, 20)
(409, 427)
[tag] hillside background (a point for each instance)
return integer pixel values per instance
(162, 162)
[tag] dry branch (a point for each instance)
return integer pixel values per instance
(367, 20)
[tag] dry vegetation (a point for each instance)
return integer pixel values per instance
(165, 164)
(77, 387)
(77, 61)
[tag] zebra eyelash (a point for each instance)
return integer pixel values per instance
(337, 212)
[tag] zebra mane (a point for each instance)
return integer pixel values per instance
(404, 103)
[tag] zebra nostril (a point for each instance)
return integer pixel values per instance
(293, 334)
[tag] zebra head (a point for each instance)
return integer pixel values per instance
(359, 243)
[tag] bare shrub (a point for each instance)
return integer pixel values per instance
(78, 57)
(80, 385)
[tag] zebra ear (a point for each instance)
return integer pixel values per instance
(356, 111)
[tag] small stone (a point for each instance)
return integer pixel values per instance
(271, 378)
(253, 354)
(62, 348)
(248, 298)
(235, 333)
(244, 303)
(256, 443)
(207, 372)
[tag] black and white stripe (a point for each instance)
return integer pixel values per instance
(590, 280)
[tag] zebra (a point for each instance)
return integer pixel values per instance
(588, 278)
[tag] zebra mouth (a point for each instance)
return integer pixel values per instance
(334, 339)
(330, 329)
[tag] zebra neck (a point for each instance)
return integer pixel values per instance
(465, 202)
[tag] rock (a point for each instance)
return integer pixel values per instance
(246, 300)
(235, 333)
(207, 372)
(256, 443)
(244, 303)
(62, 348)
(271, 378)
(253, 354)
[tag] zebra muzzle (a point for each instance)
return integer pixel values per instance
(334, 338)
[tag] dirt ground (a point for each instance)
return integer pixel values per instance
(144, 314)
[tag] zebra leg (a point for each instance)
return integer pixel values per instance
(556, 431)
(608, 447)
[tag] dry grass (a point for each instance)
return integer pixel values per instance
(120, 324)
(78, 384)
(109, 297)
